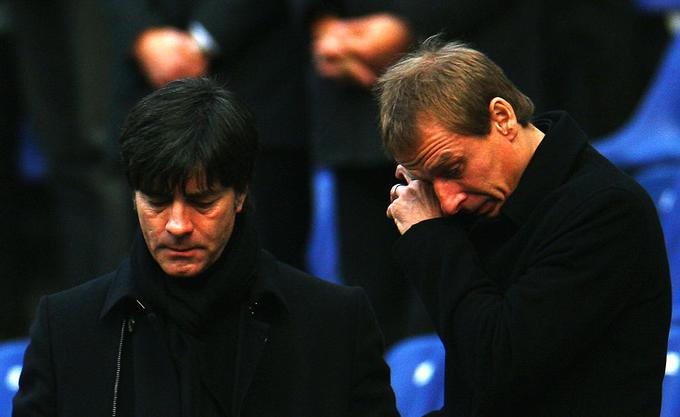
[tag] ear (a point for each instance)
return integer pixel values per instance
(239, 200)
(503, 119)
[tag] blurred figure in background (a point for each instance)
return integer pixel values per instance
(257, 50)
(13, 190)
(352, 42)
(598, 59)
(63, 79)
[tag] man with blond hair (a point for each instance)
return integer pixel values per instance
(541, 264)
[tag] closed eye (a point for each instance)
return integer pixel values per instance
(157, 201)
(449, 166)
(453, 172)
(203, 204)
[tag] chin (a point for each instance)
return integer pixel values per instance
(183, 272)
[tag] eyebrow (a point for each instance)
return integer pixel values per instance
(445, 159)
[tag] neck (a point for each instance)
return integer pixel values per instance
(533, 137)
(528, 139)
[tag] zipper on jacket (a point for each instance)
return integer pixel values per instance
(118, 364)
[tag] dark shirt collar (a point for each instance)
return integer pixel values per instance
(550, 166)
(266, 292)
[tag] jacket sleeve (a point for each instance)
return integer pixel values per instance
(371, 393)
(37, 388)
(128, 19)
(235, 24)
(456, 18)
(504, 341)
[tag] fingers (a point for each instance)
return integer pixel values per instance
(394, 191)
(334, 61)
(358, 71)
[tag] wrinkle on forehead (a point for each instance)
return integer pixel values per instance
(432, 139)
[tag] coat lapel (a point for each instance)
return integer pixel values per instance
(156, 386)
(252, 340)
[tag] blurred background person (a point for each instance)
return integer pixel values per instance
(13, 189)
(352, 42)
(598, 59)
(61, 72)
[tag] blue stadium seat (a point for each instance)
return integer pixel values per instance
(671, 384)
(662, 182)
(653, 134)
(11, 358)
(322, 249)
(417, 365)
(658, 5)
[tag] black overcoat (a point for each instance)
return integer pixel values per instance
(306, 348)
(262, 53)
(344, 117)
(559, 307)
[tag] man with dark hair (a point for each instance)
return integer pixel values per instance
(199, 321)
(541, 264)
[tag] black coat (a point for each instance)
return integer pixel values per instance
(561, 306)
(306, 348)
(344, 117)
(262, 53)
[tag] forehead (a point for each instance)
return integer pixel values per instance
(433, 144)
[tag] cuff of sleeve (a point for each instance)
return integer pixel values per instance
(204, 39)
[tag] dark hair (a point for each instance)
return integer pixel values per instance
(449, 82)
(189, 128)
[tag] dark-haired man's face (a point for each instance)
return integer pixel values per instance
(187, 231)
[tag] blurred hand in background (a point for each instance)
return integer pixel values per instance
(166, 54)
(358, 49)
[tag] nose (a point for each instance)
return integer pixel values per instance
(179, 220)
(450, 195)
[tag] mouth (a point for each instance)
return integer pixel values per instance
(180, 251)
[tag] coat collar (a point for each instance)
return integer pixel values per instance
(550, 166)
(266, 294)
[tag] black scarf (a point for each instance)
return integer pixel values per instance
(201, 316)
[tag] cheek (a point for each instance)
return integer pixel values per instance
(152, 225)
(215, 228)
(149, 220)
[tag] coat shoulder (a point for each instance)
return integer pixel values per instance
(82, 301)
(303, 290)
(597, 185)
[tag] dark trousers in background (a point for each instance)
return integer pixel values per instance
(280, 194)
(366, 237)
